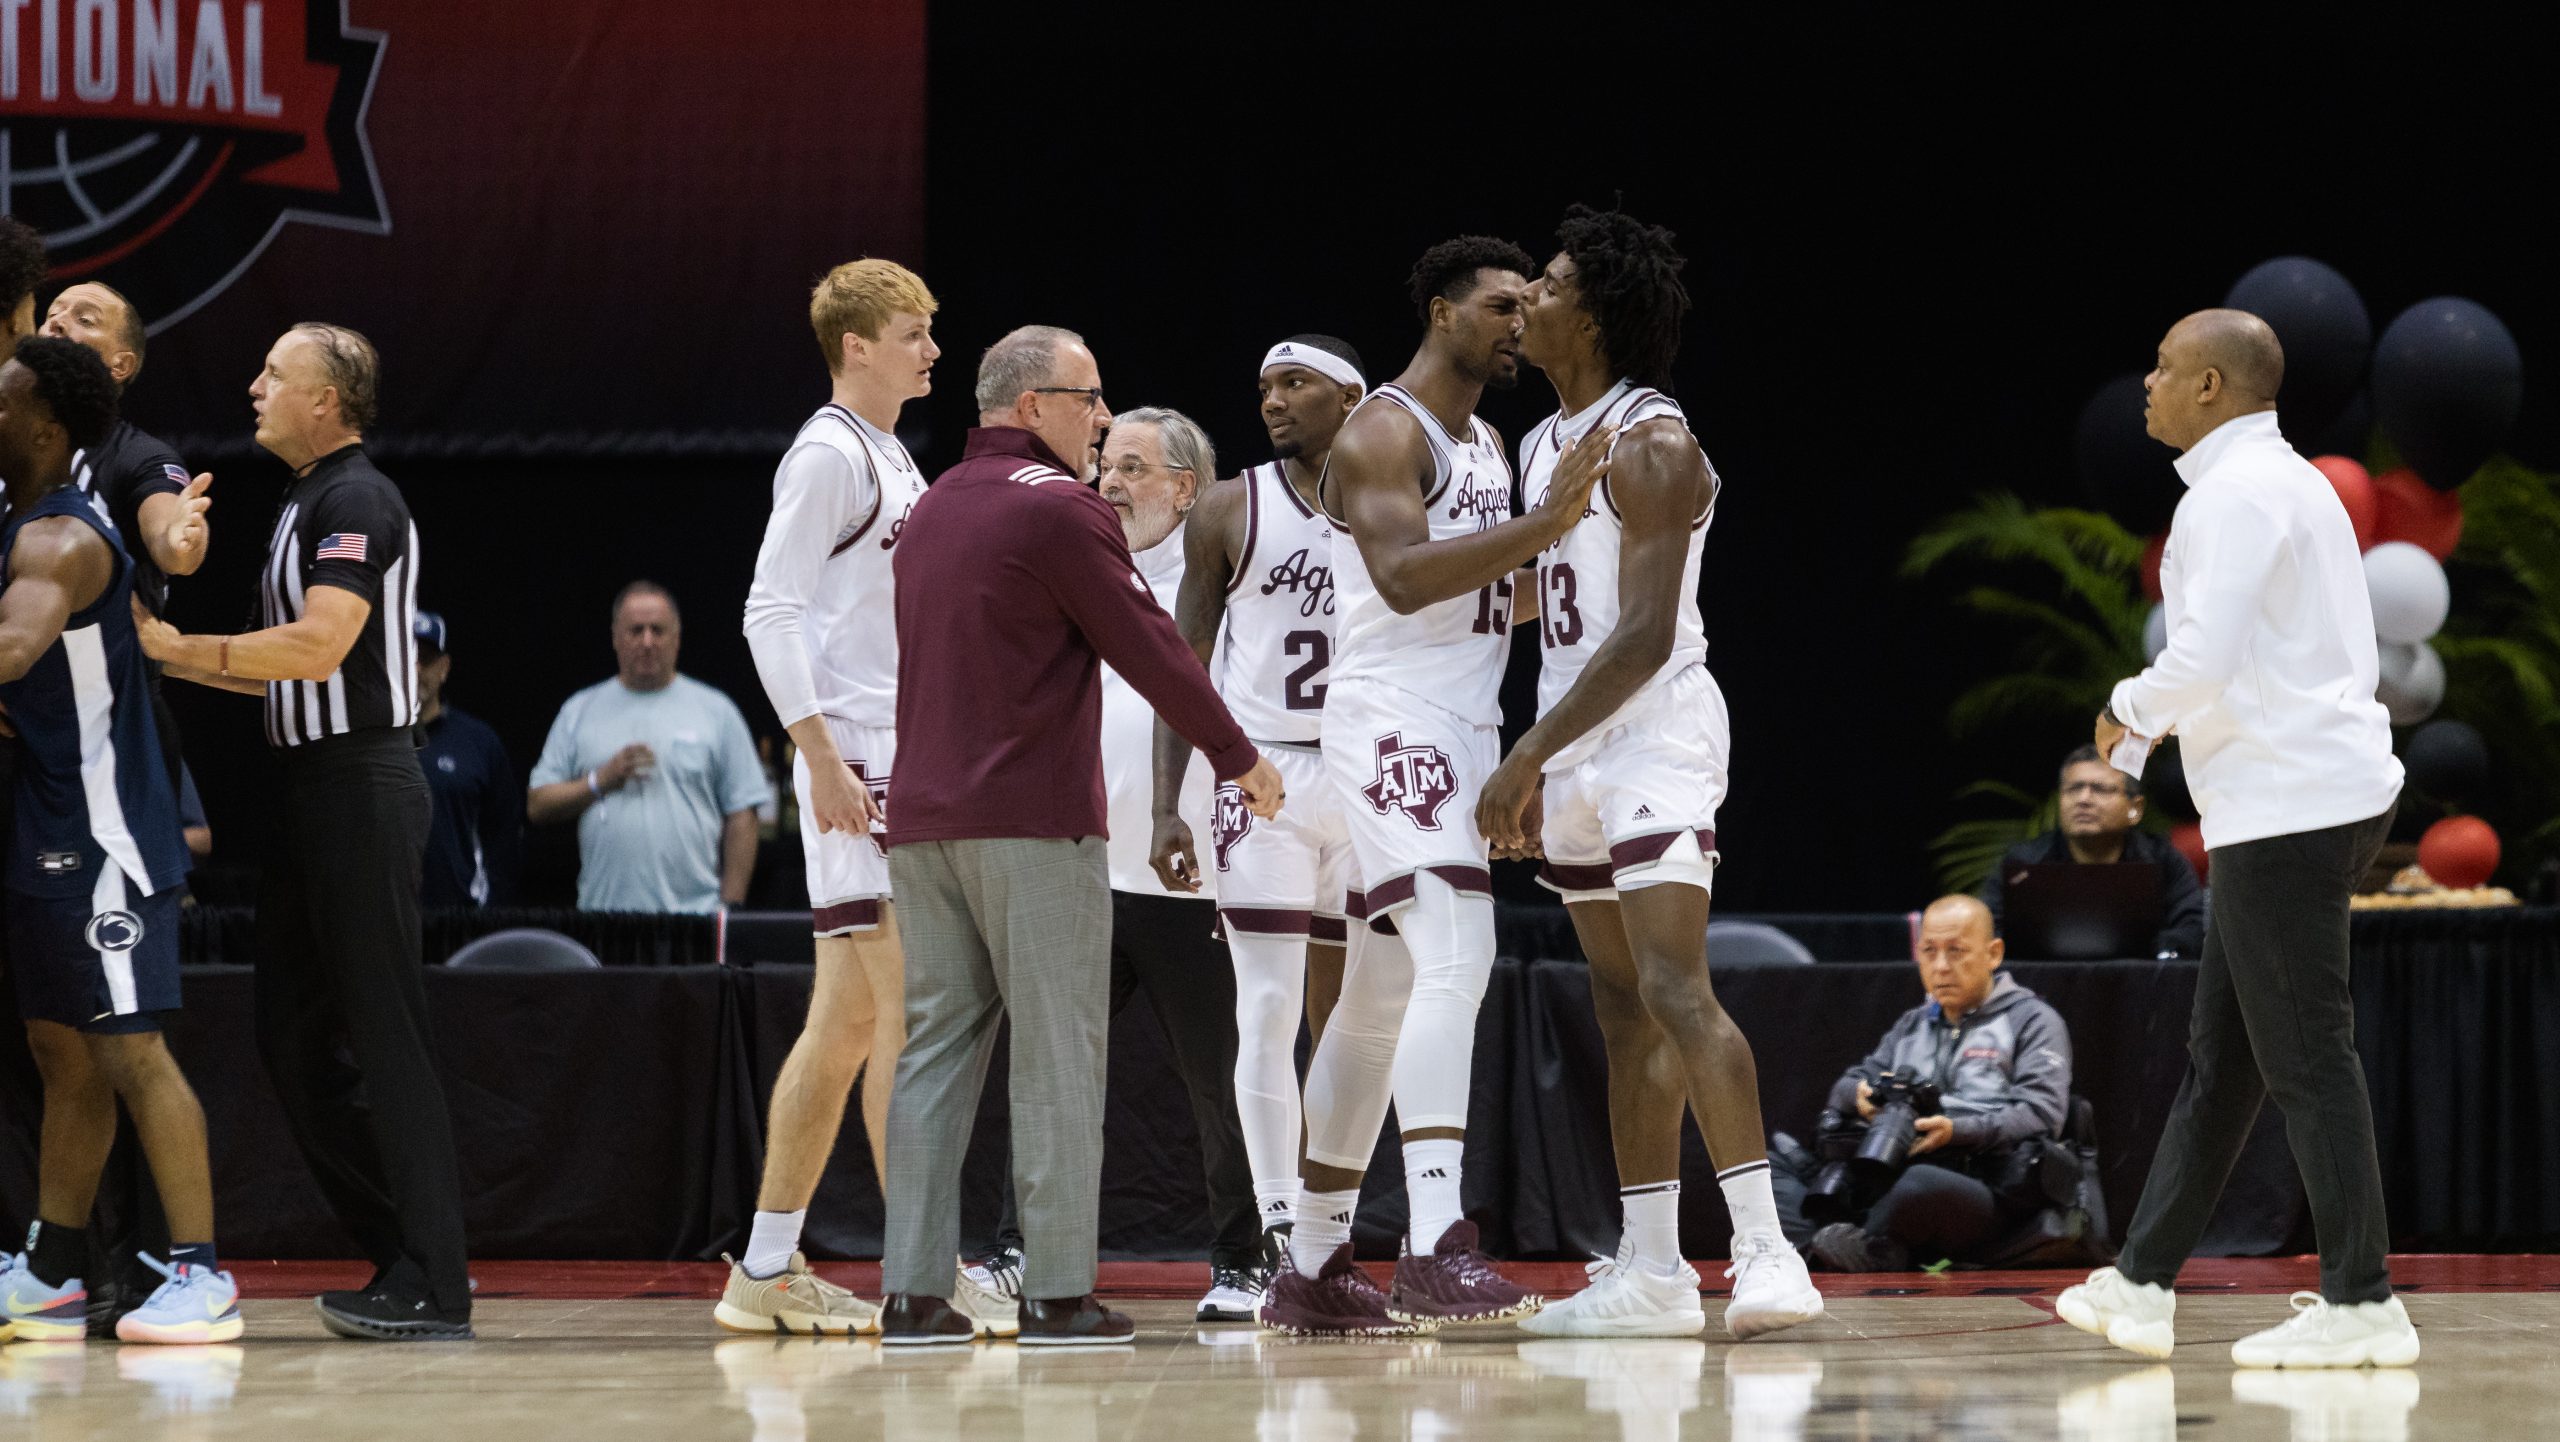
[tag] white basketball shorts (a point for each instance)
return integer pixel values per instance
(1407, 775)
(1640, 809)
(1284, 876)
(848, 874)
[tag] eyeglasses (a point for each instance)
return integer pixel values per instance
(1130, 470)
(2093, 788)
(1090, 393)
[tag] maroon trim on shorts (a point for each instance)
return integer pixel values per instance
(845, 916)
(1328, 928)
(1267, 920)
(1476, 879)
(1638, 851)
(1387, 895)
(1567, 877)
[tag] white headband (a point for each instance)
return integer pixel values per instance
(1315, 358)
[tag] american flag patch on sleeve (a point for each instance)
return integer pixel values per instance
(175, 473)
(344, 546)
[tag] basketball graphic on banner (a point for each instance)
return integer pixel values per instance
(188, 135)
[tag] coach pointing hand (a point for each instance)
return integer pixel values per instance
(1014, 584)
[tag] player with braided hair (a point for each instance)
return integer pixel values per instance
(1630, 750)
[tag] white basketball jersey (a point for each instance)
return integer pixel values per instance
(1450, 653)
(1277, 649)
(1578, 574)
(849, 616)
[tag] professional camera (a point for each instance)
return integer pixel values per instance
(1900, 1102)
(1860, 1159)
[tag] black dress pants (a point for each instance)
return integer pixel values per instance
(2272, 1016)
(1167, 946)
(342, 1011)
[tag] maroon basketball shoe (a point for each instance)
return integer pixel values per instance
(1456, 1283)
(1339, 1301)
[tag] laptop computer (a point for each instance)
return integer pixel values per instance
(2063, 911)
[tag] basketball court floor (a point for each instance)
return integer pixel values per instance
(629, 1351)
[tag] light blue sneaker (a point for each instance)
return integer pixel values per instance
(34, 1312)
(194, 1306)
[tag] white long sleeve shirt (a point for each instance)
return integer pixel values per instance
(821, 616)
(1128, 753)
(2269, 674)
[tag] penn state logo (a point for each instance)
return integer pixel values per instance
(113, 931)
(160, 147)
(1416, 780)
(1229, 821)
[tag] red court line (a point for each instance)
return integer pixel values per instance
(615, 1281)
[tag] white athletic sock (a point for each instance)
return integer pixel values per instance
(1653, 1226)
(1324, 1223)
(775, 1238)
(1748, 1198)
(1271, 981)
(1432, 1173)
(1276, 1201)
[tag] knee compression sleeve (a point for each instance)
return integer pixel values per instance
(1350, 1081)
(1271, 982)
(1450, 936)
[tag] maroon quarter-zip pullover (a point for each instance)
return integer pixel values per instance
(1014, 584)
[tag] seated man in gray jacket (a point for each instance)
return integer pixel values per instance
(1998, 1059)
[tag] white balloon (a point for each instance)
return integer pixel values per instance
(2412, 682)
(2408, 591)
(2155, 634)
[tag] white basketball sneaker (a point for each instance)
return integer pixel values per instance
(990, 1296)
(1624, 1300)
(2136, 1316)
(2333, 1334)
(1771, 1289)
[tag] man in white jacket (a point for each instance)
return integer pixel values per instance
(2268, 680)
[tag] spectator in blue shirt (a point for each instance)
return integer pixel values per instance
(658, 770)
(476, 840)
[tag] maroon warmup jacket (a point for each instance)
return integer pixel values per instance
(1014, 583)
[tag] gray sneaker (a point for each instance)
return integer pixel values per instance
(793, 1300)
(991, 1297)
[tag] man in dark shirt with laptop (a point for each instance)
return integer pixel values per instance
(2101, 825)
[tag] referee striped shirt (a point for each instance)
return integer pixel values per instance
(345, 525)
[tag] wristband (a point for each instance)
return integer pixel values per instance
(592, 788)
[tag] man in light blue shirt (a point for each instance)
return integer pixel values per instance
(659, 771)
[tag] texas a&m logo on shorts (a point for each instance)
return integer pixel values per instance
(1229, 820)
(158, 147)
(1416, 780)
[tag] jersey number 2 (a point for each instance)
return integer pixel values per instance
(1319, 653)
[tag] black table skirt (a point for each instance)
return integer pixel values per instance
(618, 1114)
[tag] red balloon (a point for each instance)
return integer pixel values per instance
(2408, 509)
(2188, 837)
(2460, 852)
(2354, 486)
(2151, 555)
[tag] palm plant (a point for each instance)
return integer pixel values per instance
(2501, 651)
(2077, 613)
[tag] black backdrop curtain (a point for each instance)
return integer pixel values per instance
(618, 1113)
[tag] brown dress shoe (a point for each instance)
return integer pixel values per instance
(1073, 1322)
(909, 1320)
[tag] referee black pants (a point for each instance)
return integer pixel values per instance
(2273, 1017)
(1168, 946)
(341, 1006)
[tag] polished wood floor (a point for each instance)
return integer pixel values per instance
(630, 1352)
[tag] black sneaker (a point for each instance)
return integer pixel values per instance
(381, 1316)
(910, 1320)
(1074, 1322)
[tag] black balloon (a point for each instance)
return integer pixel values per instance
(2127, 473)
(2349, 434)
(2447, 382)
(2447, 760)
(2326, 333)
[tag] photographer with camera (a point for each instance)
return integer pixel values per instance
(1945, 1138)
